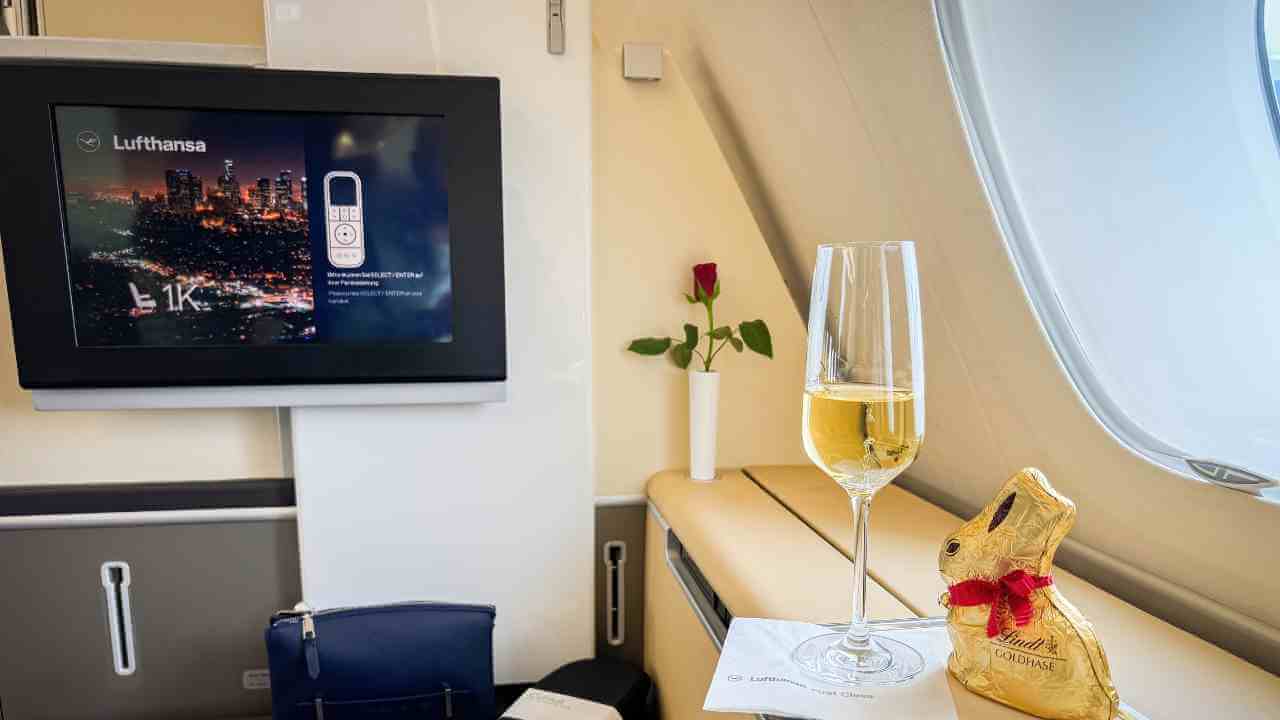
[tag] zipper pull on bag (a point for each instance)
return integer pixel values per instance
(309, 648)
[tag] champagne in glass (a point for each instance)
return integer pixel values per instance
(861, 435)
(863, 423)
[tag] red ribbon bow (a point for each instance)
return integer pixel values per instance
(1012, 590)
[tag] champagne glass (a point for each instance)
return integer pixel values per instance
(863, 424)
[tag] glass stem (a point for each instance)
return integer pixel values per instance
(857, 639)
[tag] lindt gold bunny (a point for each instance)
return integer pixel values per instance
(1016, 639)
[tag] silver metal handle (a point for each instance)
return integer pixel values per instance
(8, 18)
(20, 17)
(615, 592)
(116, 579)
(555, 27)
(1232, 477)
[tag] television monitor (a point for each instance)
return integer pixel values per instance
(184, 227)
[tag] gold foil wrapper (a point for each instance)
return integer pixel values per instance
(1053, 666)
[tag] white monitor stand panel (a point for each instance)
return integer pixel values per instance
(269, 396)
(485, 503)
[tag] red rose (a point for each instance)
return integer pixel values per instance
(704, 279)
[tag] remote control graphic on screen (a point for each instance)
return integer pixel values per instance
(344, 218)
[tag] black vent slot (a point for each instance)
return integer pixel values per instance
(715, 614)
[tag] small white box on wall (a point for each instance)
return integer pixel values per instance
(642, 61)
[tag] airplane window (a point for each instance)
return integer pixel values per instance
(1131, 154)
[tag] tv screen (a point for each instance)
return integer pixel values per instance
(193, 228)
(203, 226)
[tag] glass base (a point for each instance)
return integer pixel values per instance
(884, 662)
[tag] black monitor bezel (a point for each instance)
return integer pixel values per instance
(32, 227)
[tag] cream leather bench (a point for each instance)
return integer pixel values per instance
(774, 542)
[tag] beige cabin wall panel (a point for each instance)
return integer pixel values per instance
(234, 22)
(792, 115)
(664, 200)
(679, 653)
(41, 448)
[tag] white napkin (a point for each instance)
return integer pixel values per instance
(535, 704)
(756, 675)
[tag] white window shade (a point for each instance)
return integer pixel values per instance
(1130, 152)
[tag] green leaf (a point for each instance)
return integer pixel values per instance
(690, 335)
(722, 332)
(736, 343)
(692, 300)
(756, 335)
(649, 345)
(715, 291)
(681, 355)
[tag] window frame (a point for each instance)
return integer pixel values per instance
(1264, 70)
(1033, 274)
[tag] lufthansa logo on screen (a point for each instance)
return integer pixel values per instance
(88, 141)
(151, 143)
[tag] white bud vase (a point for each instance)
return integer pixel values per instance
(704, 401)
